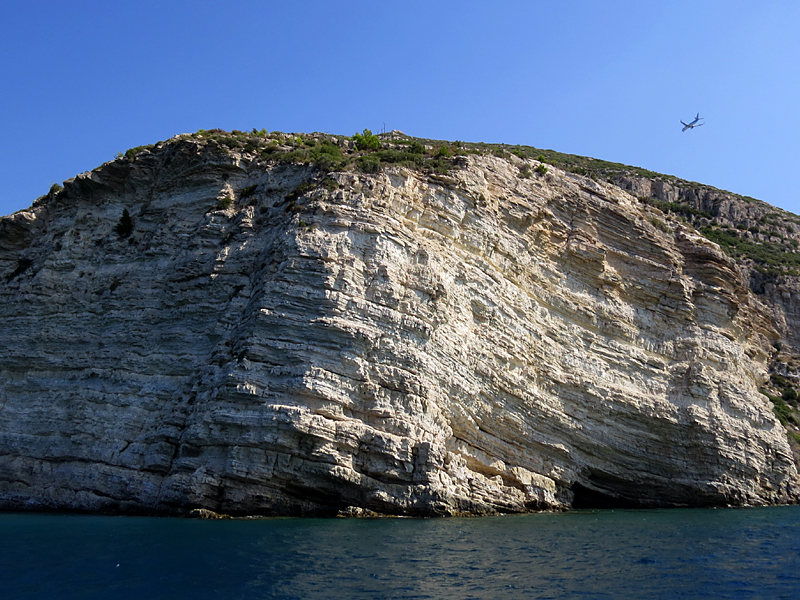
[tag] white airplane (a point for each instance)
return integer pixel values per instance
(693, 124)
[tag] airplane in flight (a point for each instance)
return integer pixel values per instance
(693, 124)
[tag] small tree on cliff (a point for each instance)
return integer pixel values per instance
(367, 140)
(125, 225)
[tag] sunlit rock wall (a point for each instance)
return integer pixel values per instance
(496, 339)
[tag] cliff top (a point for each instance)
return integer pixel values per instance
(764, 239)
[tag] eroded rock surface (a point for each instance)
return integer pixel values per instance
(389, 342)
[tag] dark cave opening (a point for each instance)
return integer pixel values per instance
(588, 498)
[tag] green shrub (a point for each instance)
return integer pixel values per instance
(541, 169)
(328, 149)
(55, 189)
(298, 191)
(658, 224)
(408, 159)
(231, 142)
(272, 148)
(131, 153)
(330, 184)
(779, 408)
(416, 148)
(326, 156)
(369, 164)
(764, 254)
(782, 411)
(248, 191)
(224, 203)
(367, 141)
(124, 226)
(440, 165)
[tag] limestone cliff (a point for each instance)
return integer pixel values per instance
(279, 337)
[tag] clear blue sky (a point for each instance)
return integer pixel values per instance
(83, 80)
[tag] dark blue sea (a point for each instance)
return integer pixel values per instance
(608, 554)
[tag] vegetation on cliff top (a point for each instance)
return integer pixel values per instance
(768, 244)
(363, 151)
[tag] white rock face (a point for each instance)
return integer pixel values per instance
(391, 342)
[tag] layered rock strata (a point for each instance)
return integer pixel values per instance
(754, 222)
(270, 339)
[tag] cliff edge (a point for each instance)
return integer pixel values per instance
(272, 329)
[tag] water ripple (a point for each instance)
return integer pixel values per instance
(614, 554)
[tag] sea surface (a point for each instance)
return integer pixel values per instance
(614, 554)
